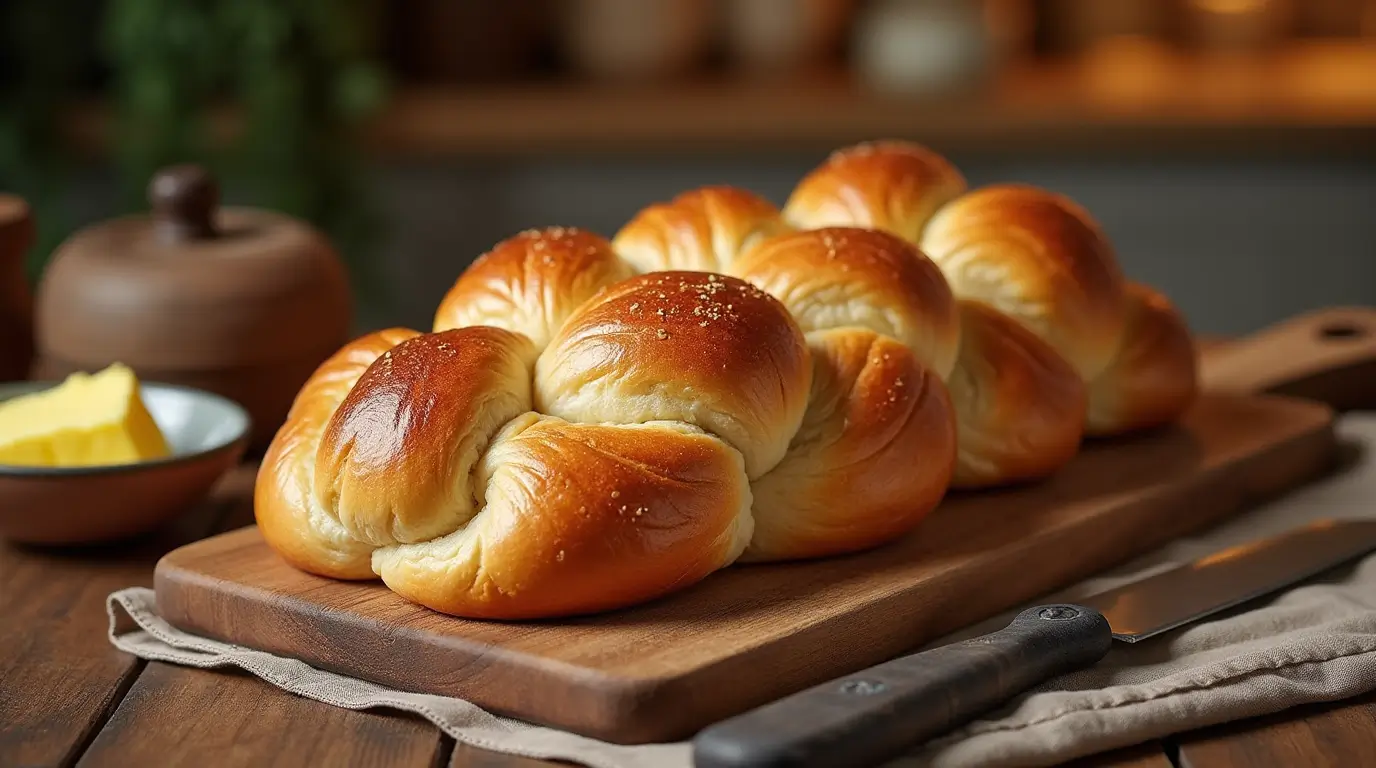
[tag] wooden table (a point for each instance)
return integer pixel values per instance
(68, 697)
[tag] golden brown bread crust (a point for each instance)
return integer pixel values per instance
(1038, 257)
(291, 520)
(873, 458)
(574, 438)
(895, 186)
(580, 518)
(1019, 405)
(842, 276)
(1153, 379)
(530, 282)
(546, 518)
(396, 458)
(706, 349)
(702, 230)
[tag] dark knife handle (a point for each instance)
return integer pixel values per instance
(878, 713)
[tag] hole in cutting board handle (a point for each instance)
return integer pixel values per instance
(1339, 330)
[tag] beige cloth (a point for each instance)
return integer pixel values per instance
(1313, 643)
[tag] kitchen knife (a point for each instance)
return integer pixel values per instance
(881, 712)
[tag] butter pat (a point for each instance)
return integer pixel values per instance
(89, 420)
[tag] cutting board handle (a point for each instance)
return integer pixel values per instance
(1327, 355)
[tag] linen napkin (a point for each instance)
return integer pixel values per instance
(1313, 643)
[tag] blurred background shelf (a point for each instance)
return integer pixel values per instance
(1324, 107)
(1309, 100)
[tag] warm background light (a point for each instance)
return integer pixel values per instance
(426, 130)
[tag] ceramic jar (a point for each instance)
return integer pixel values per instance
(16, 306)
(242, 302)
(635, 40)
(782, 37)
(922, 47)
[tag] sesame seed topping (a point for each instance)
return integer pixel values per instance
(661, 333)
(616, 494)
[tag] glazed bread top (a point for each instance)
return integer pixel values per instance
(893, 186)
(702, 229)
(1038, 257)
(845, 276)
(530, 282)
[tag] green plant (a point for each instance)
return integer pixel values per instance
(44, 49)
(167, 61)
(300, 77)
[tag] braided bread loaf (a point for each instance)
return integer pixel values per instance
(1053, 341)
(1030, 254)
(591, 424)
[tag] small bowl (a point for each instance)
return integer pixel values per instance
(88, 505)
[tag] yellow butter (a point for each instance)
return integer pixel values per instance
(89, 420)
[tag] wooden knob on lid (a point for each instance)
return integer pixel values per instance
(185, 199)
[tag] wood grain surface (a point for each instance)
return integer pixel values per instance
(61, 676)
(151, 727)
(646, 674)
(1149, 755)
(465, 756)
(1325, 736)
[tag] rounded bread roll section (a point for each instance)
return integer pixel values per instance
(579, 518)
(531, 282)
(706, 349)
(395, 463)
(290, 518)
(873, 458)
(1020, 407)
(842, 276)
(1153, 379)
(895, 186)
(1038, 257)
(701, 230)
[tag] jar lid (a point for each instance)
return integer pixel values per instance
(193, 285)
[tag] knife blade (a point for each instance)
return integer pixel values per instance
(881, 712)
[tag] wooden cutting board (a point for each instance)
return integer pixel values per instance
(750, 634)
